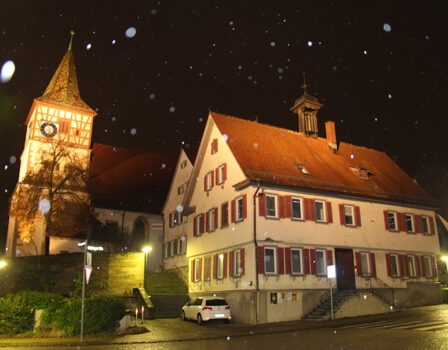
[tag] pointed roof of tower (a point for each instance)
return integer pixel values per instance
(63, 88)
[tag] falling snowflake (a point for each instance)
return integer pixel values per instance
(389, 96)
(365, 52)
(130, 32)
(310, 43)
(153, 12)
(12, 159)
(179, 208)
(280, 70)
(113, 42)
(133, 131)
(44, 206)
(225, 137)
(272, 43)
(387, 27)
(89, 46)
(7, 71)
(172, 109)
(152, 96)
(163, 166)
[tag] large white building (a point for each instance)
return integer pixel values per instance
(269, 209)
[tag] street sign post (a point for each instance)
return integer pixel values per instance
(331, 273)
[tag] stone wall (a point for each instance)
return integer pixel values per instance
(115, 274)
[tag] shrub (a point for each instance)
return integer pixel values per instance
(17, 310)
(100, 315)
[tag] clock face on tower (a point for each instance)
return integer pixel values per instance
(48, 130)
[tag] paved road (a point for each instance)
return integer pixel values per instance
(416, 329)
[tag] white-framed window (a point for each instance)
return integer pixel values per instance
(349, 213)
(239, 209)
(426, 227)
(410, 222)
(237, 268)
(365, 263)
(321, 213)
(411, 266)
(220, 266)
(321, 268)
(296, 261)
(270, 261)
(303, 169)
(209, 181)
(297, 208)
(394, 267)
(271, 206)
(196, 270)
(199, 224)
(220, 174)
(211, 220)
(428, 267)
(392, 216)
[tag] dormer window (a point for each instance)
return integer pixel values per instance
(303, 169)
(363, 173)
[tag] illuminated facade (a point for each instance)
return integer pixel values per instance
(269, 209)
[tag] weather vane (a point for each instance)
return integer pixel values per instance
(72, 33)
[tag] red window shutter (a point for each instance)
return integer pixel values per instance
(214, 146)
(217, 175)
(329, 257)
(200, 269)
(403, 265)
(231, 263)
(431, 225)
(372, 264)
(313, 261)
(224, 273)
(417, 266)
(401, 218)
(281, 207)
(216, 218)
(389, 269)
(358, 263)
(262, 205)
(357, 216)
(260, 262)
(203, 223)
(310, 209)
(192, 270)
(434, 266)
(224, 214)
(418, 221)
(215, 265)
(329, 212)
(288, 206)
(281, 260)
(306, 261)
(243, 267)
(244, 206)
(232, 213)
(342, 213)
(207, 221)
(406, 265)
(195, 224)
(224, 177)
(205, 182)
(212, 179)
(288, 262)
(386, 220)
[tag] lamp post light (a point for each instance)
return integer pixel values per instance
(146, 250)
(3, 264)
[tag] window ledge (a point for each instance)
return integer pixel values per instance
(412, 232)
(297, 219)
(321, 222)
(298, 274)
(272, 217)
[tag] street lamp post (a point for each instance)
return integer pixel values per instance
(146, 250)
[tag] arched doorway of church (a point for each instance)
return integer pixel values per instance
(138, 234)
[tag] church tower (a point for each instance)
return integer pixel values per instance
(306, 107)
(58, 117)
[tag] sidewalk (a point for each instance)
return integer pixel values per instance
(176, 330)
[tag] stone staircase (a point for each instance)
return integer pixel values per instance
(168, 294)
(323, 310)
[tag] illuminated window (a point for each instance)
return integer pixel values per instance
(411, 266)
(220, 266)
(196, 273)
(428, 267)
(395, 271)
(349, 215)
(237, 268)
(365, 263)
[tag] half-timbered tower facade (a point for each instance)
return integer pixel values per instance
(269, 209)
(57, 119)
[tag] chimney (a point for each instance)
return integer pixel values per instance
(331, 135)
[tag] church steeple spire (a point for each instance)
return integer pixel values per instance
(63, 87)
(306, 108)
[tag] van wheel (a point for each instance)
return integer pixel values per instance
(200, 322)
(182, 316)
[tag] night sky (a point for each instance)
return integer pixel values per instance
(380, 69)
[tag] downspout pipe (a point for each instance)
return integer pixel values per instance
(257, 286)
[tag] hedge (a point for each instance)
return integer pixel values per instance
(17, 313)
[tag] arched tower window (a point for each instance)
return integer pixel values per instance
(138, 239)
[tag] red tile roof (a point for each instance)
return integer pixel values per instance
(270, 154)
(130, 180)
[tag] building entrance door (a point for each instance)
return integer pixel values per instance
(345, 271)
